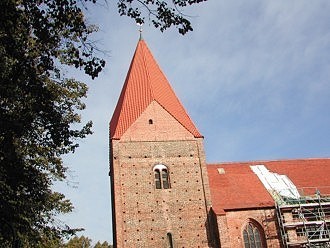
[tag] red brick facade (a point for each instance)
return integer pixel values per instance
(163, 192)
(144, 215)
(231, 226)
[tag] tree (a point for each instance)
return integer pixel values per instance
(103, 245)
(39, 106)
(78, 242)
(82, 241)
(162, 14)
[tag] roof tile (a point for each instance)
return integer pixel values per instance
(239, 188)
(144, 83)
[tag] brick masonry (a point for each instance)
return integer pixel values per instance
(143, 214)
(150, 127)
(232, 224)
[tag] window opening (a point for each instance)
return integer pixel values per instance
(170, 240)
(252, 236)
(161, 177)
(157, 179)
(165, 179)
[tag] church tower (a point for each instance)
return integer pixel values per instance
(159, 183)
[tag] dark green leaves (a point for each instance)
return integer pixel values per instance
(39, 112)
(40, 107)
(162, 14)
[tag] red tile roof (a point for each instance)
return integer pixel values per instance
(237, 188)
(145, 82)
(240, 188)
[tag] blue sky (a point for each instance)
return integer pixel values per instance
(253, 75)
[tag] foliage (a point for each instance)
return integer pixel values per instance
(38, 107)
(103, 245)
(162, 14)
(78, 242)
(82, 241)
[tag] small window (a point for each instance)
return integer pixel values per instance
(170, 240)
(161, 177)
(151, 121)
(253, 236)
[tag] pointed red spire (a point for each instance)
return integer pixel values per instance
(145, 82)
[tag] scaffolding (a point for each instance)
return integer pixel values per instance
(304, 221)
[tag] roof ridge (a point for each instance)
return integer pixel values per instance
(147, 70)
(266, 161)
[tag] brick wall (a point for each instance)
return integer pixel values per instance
(143, 214)
(231, 226)
(162, 127)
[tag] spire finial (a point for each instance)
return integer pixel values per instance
(140, 29)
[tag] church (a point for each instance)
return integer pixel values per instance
(165, 194)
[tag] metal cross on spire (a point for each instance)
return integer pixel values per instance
(140, 29)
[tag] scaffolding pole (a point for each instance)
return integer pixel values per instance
(304, 222)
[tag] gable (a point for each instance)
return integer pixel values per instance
(155, 123)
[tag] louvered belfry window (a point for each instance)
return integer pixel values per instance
(157, 179)
(161, 177)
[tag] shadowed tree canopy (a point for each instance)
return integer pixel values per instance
(82, 241)
(40, 106)
(74, 242)
(77, 242)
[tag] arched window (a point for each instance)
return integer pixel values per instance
(253, 236)
(161, 177)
